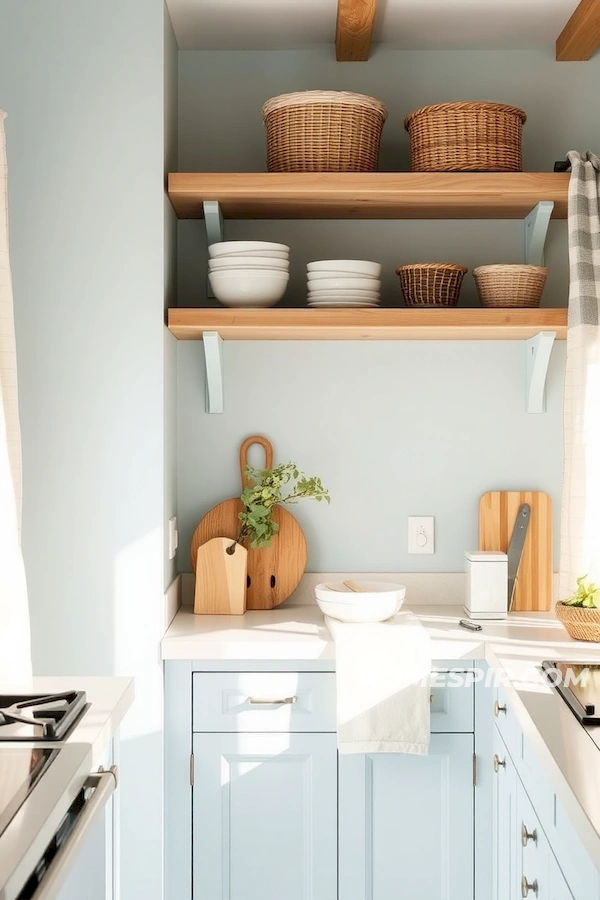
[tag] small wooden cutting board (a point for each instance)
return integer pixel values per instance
(221, 578)
(497, 515)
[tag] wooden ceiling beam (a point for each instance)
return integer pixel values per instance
(580, 38)
(354, 29)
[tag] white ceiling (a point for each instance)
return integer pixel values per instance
(405, 24)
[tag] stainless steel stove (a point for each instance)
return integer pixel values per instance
(579, 686)
(40, 717)
(48, 798)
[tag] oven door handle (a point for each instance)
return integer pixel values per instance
(103, 784)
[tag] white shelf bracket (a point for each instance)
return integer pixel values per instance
(538, 349)
(213, 360)
(213, 220)
(536, 229)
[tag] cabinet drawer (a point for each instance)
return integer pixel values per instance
(264, 701)
(452, 707)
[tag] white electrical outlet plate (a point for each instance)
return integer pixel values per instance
(173, 537)
(421, 534)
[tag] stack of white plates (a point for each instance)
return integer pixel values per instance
(343, 283)
(252, 274)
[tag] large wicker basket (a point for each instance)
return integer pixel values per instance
(431, 284)
(582, 623)
(466, 137)
(323, 131)
(510, 285)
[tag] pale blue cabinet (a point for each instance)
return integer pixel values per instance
(265, 816)
(406, 826)
(559, 890)
(504, 824)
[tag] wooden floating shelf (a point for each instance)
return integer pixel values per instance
(371, 195)
(367, 324)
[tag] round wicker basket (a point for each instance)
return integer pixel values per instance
(323, 131)
(582, 623)
(510, 285)
(431, 284)
(466, 137)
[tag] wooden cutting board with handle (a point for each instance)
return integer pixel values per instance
(497, 514)
(221, 570)
(274, 571)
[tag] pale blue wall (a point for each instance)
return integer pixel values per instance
(393, 429)
(84, 86)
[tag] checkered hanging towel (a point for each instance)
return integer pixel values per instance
(580, 512)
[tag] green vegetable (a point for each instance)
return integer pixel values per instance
(264, 491)
(587, 594)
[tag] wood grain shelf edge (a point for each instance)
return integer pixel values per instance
(370, 195)
(370, 324)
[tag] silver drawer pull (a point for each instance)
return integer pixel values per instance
(498, 709)
(498, 763)
(269, 701)
(527, 836)
(526, 887)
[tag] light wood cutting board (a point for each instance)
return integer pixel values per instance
(274, 571)
(497, 514)
(220, 578)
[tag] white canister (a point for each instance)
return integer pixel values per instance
(486, 575)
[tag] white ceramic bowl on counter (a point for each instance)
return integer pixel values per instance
(344, 284)
(377, 601)
(252, 288)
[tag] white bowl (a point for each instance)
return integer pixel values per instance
(377, 601)
(345, 284)
(360, 266)
(247, 262)
(330, 276)
(223, 247)
(351, 295)
(342, 304)
(264, 254)
(254, 288)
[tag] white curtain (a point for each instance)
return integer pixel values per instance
(15, 653)
(580, 514)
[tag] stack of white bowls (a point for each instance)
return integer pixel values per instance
(251, 274)
(343, 283)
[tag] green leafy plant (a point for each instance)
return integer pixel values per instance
(265, 489)
(587, 594)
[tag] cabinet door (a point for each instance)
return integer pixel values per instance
(559, 889)
(534, 851)
(265, 817)
(505, 879)
(406, 823)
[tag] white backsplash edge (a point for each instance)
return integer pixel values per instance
(173, 598)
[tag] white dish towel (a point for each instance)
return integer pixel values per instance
(383, 674)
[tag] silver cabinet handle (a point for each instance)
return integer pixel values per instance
(104, 784)
(526, 887)
(527, 836)
(271, 701)
(498, 763)
(498, 709)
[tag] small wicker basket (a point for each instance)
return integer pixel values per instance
(581, 623)
(510, 285)
(431, 284)
(466, 137)
(323, 131)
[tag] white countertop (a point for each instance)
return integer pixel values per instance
(513, 648)
(108, 699)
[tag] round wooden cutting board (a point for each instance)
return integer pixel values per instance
(273, 572)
